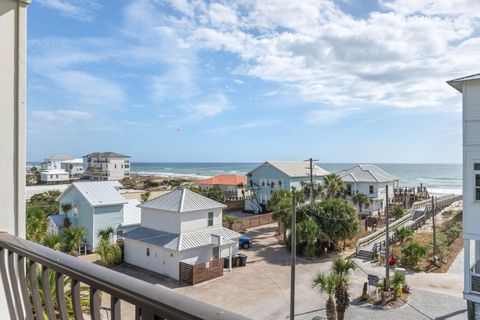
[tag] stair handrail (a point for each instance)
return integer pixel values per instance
(406, 218)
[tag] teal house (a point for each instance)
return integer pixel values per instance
(95, 206)
(278, 175)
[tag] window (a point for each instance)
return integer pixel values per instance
(215, 253)
(371, 190)
(349, 189)
(127, 166)
(262, 182)
(119, 233)
(210, 219)
(476, 167)
(148, 252)
(115, 166)
(57, 175)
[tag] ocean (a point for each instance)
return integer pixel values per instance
(438, 178)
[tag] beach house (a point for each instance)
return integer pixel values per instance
(95, 205)
(73, 166)
(181, 235)
(277, 175)
(371, 181)
(470, 88)
(233, 186)
(104, 166)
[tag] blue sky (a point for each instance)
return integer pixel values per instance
(250, 80)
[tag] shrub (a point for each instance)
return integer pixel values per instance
(454, 231)
(397, 282)
(110, 254)
(397, 212)
(403, 233)
(412, 253)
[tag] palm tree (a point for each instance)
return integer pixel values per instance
(327, 284)
(109, 253)
(308, 231)
(281, 204)
(360, 199)
(341, 268)
(73, 238)
(36, 223)
(333, 186)
(105, 233)
(397, 282)
(66, 207)
(53, 241)
(397, 212)
(403, 233)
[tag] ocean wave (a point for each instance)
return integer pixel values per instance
(439, 191)
(171, 174)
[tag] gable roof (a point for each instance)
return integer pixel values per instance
(108, 154)
(131, 213)
(97, 193)
(59, 158)
(295, 168)
(366, 173)
(182, 200)
(225, 180)
(57, 219)
(458, 83)
(183, 241)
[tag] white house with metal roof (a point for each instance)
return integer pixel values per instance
(277, 175)
(98, 205)
(470, 88)
(54, 176)
(371, 181)
(180, 226)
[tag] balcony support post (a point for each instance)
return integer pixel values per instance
(467, 274)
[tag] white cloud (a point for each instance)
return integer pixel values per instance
(326, 116)
(136, 124)
(77, 9)
(209, 107)
(228, 129)
(61, 116)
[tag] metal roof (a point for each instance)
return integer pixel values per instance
(182, 200)
(184, 241)
(131, 213)
(97, 193)
(295, 168)
(57, 219)
(458, 83)
(54, 171)
(366, 173)
(108, 154)
(58, 158)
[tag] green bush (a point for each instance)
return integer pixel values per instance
(110, 254)
(412, 253)
(454, 231)
(397, 212)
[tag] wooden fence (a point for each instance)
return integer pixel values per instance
(252, 221)
(193, 274)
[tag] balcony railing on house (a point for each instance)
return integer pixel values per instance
(475, 278)
(27, 270)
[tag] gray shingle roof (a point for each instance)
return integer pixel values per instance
(97, 193)
(458, 83)
(108, 154)
(184, 241)
(295, 168)
(366, 173)
(182, 200)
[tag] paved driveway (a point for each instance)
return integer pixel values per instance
(261, 289)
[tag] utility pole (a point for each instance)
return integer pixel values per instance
(434, 232)
(387, 241)
(310, 167)
(294, 257)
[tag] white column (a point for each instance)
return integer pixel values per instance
(466, 274)
(230, 257)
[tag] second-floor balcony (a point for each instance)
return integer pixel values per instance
(41, 283)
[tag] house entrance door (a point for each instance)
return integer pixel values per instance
(215, 252)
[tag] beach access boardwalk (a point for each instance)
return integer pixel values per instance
(367, 247)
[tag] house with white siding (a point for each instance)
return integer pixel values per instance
(106, 166)
(179, 227)
(278, 175)
(371, 181)
(97, 205)
(50, 176)
(470, 88)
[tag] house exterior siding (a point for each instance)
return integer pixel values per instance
(160, 220)
(199, 220)
(261, 180)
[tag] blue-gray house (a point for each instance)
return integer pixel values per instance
(277, 175)
(95, 206)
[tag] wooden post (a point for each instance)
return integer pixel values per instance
(294, 257)
(387, 242)
(434, 232)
